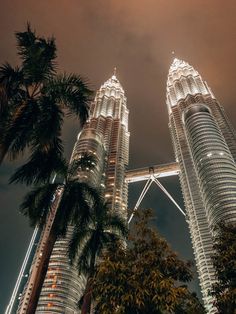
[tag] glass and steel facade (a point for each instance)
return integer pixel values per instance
(214, 164)
(204, 142)
(106, 136)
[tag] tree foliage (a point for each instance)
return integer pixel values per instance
(69, 203)
(77, 199)
(146, 277)
(104, 229)
(34, 100)
(224, 261)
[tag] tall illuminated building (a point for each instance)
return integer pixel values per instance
(205, 147)
(106, 136)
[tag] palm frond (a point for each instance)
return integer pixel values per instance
(25, 39)
(11, 79)
(92, 247)
(92, 196)
(48, 125)
(19, 129)
(41, 166)
(104, 230)
(80, 234)
(117, 224)
(3, 103)
(37, 55)
(84, 162)
(71, 91)
(36, 203)
(74, 207)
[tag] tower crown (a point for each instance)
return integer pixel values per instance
(184, 80)
(110, 101)
(112, 83)
(180, 68)
(177, 64)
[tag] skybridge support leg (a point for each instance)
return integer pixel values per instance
(151, 179)
(158, 183)
(143, 193)
(22, 272)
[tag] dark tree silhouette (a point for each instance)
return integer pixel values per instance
(104, 229)
(69, 203)
(145, 278)
(33, 102)
(224, 261)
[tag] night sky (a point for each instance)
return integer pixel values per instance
(137, 37)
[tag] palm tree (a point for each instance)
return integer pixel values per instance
(33, 102)
(65, 204)
(91, 239)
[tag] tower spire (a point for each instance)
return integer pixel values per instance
(113, 83)
(184, 80)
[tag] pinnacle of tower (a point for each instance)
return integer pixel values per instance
(178, 64)
(113, 82)
(114, 74)
(184, 80)
(180, 68)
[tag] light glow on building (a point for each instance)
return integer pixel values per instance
(205, 147)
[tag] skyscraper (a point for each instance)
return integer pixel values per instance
(205, 147)
(106, 136)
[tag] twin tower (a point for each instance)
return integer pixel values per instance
(204, 143)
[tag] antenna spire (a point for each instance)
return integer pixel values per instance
(114, 72)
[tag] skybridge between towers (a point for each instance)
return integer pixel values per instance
(159, 171)
(151, 175)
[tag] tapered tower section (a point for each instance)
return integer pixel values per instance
(106, 136)
(109, 124)
(205, 147)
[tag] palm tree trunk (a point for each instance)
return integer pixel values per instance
(41, 269)
(41, 274)
(87, 299)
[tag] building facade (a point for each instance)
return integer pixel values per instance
(205, 147)
(106, 136)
